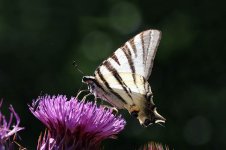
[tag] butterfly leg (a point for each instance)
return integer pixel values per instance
(80, 92)
(84, 98)
(95, 100)
(114, 109)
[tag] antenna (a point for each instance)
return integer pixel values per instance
(76, 67)
(79, 90)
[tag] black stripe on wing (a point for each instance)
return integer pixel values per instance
(131, 42)
(142, 42)
(128, 55)
(114, 72)
(107, 85)
(115, 58)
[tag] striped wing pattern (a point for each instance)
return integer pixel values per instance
(122, 79)
(137, 54)
(121, 74)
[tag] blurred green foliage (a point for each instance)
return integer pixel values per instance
(39, 40)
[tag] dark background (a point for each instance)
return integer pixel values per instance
(39, 40)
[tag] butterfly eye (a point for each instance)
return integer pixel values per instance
(134, 114)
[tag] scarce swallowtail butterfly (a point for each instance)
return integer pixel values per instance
(122, 79)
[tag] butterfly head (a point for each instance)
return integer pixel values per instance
(91, 82)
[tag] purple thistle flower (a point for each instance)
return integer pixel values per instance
(74, 124)
(7, 130)
(154, 146)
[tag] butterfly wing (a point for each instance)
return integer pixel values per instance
(136, 55)
(124, 75)
(151, 39)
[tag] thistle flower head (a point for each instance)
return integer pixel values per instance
(7, 130)
(73, 124)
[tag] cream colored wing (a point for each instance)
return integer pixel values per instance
(136, 56)
(126, 88)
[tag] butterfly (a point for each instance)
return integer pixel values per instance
(122, 79)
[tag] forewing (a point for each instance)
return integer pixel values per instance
(136, 56)
(143, 47)
(151, 40)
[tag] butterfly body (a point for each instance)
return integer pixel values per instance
(121, 80)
